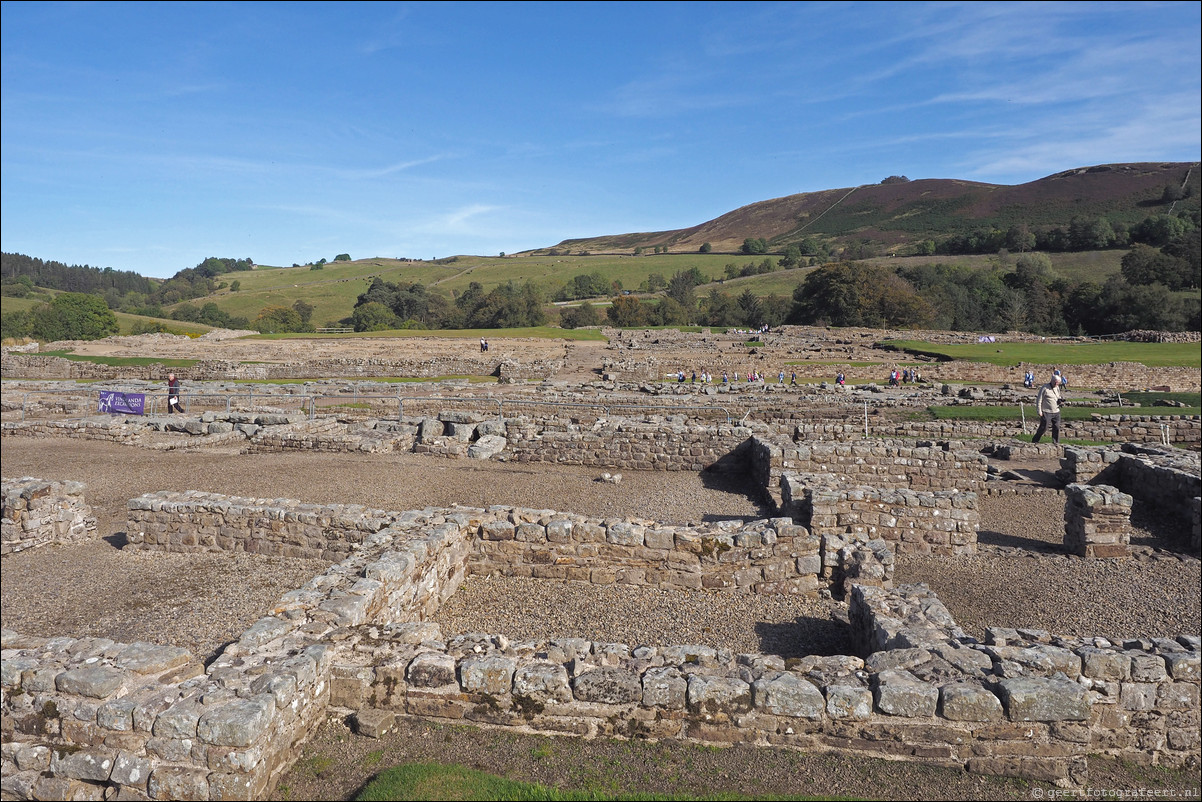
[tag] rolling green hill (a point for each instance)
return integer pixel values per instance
(332, 291)
(893, 216)
(886, 218)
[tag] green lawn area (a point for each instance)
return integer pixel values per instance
(123, 361)
(434, 781)
(1058, 353)
(542, 332)
(1012, 413)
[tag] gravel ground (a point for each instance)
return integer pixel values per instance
(1023, 578)
(529, 609)
(1020, 579)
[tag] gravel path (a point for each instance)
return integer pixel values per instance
(201, 603)
(529, 609)
(1023, 578)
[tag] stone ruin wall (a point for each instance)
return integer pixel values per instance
(914, 464)
(584, 437)
(1165, 479)
(1121, 376)
(38, 512)
(34, 366)
(943, 522)
(85, 715)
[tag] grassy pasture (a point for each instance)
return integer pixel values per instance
(1057, 353)
(1012, 413)
(333, 290)
(122, 361)
(541, 332)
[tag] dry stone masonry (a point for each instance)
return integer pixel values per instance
(1097, 521)
(88, 717)
(1166, 479)
(38, 512)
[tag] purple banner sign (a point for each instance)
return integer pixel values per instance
(122, 403)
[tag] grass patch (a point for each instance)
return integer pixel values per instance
(539, 332)
(1053, 353)
(122, 361)
(1012, 413)
(1150, 399)
(434, 781)
(841, 363)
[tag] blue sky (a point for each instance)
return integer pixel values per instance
(149, 136)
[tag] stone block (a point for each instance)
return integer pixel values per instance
(900, 693)
(542, 683)
(92, 764)
(968, 702)
(611, 686)
(1183, 666)
(1105, 664)
(848, 701)
(178, 782)
(1042, 699)
(710, 694)
(665, 688)
(374, 723)
(432, 670)
(131, 770)
(96, 681)
(786, 694)
(239, 723)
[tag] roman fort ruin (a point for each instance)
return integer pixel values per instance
(851, 480)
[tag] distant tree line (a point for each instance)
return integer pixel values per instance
(1082, 234)
(68, 278)
(953, 297)
(387, 305)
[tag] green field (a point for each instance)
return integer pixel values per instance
(541, 332)
(435, 781)
(1058, 353)
(1012, 413)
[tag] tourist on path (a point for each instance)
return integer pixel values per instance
(1048, 403)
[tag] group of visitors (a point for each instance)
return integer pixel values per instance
(483, 345)
(904, 376)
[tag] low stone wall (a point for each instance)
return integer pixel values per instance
(1097, 521)
(35, 366)
(916, 464)
(85, 715)
(1030, 706)
(773, 557)
(913, 522)
(37, 512)
(1182, 430)
(1122, 376)
(194, 522)
(89, 717)
(666, 444)
(1166, 479)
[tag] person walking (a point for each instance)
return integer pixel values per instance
(1048, 403)
(173, 405)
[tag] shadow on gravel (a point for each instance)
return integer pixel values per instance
(117, 540)
(987, 537)
(1154, 527)
(805, 636)
(730, 475)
